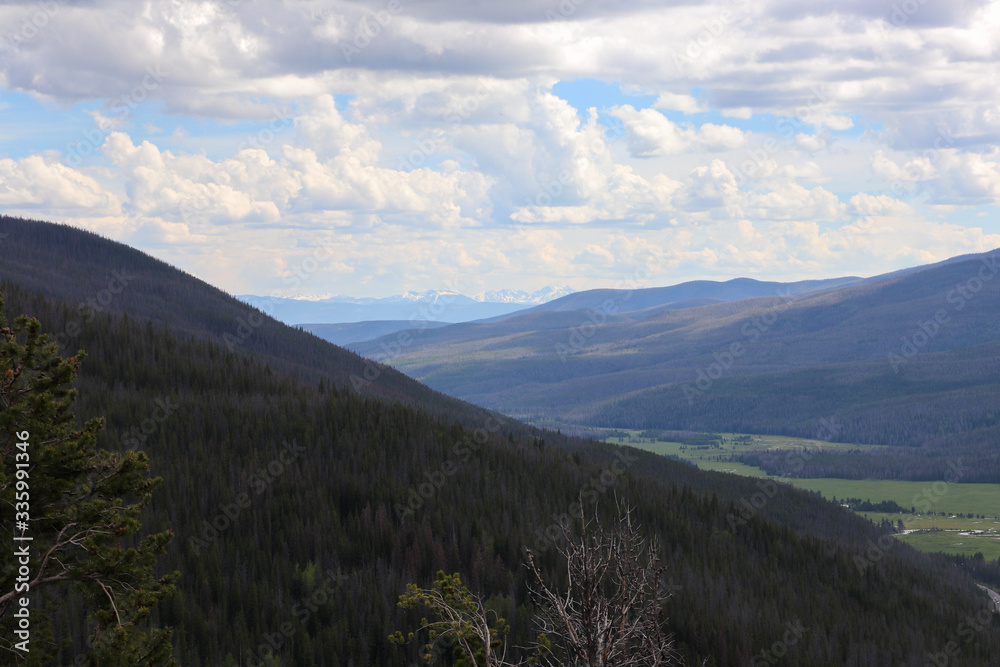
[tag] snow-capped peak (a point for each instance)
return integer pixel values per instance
(429, 296)
(449, 297)
(520, 296)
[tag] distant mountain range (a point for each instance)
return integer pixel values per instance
(615, 303)
(426, 306)
(639, 303)
(911, 358)
(543, 295)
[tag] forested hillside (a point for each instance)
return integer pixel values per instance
(302, 508)
(94, 276)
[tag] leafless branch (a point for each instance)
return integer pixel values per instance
(611, 612)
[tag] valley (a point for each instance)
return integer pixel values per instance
(297, 475)
(939, 516)
(908, 360)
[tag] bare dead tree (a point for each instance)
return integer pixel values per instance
(610, 615)
(611, 612)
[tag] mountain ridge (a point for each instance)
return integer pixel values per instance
(697, 368)
(33, 253)
(607, 301)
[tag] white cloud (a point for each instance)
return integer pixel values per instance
(338, 172)
(967, 178)
(744, 113)
(808, 171)
(838, 122)
(794, 202)
(720, 137)
(810, 142)
(947, 176)
(650, 134)
(325, 131)
(439, 147)
(864, 205)
(887, 169)
(674, 101)
(34, 182)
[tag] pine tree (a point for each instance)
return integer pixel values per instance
(460, 620)
(73, 511)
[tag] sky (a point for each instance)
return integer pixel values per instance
(368, 148)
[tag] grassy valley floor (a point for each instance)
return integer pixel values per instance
(941, 517)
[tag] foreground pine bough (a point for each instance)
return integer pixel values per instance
(76, 524)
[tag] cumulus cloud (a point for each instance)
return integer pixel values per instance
(37, 183)
(253, 187)
(947, 177)
(650, 134)
(808, 171)
(429, 141)
(810, 142)
(163, 185)
(678, 102)
(967, 178)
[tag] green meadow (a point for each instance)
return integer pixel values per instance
(946, 527)
(948, 533)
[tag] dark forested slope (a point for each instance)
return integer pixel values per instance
(95, 275)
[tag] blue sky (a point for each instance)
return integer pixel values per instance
(428, 145)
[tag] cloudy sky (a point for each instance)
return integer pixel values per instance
(375, 147)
